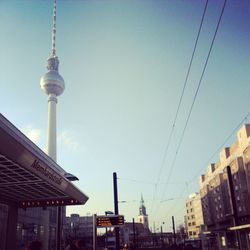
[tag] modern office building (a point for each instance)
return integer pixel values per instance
(225, 194)
(194, 217)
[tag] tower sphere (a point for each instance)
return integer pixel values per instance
(52, 82)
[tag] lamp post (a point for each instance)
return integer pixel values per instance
(69, 177)
(117, 236)
(174, 230)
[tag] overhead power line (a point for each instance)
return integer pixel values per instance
(182, 93)
(180, 101)
(223, 144)
(182, 193)
(195, 96)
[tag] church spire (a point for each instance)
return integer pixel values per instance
(142, 209)
(143, 217)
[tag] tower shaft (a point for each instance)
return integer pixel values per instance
(51, 140)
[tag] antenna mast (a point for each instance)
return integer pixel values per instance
(54, 31)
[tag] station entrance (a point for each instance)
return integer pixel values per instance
(29, 178)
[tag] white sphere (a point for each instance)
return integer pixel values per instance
(52, 83)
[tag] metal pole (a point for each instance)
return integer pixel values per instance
(106, 231)
(161, 238)
(94, 232)
(174, 230)
(234, 206)
(117, 238)
(59, 228)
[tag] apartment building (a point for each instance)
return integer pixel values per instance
(225, 194)
(194, 218)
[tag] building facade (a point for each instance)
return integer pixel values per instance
(225, 194)
(194, 218)
(78, 227)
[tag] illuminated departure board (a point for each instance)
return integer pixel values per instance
(109, 221)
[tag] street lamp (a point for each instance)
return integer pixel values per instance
(69, 177)
(170, 199)
(108, 212)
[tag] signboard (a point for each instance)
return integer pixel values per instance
(109, 221)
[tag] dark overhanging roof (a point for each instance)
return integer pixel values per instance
(28, 176)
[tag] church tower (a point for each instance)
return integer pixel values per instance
(143, 217)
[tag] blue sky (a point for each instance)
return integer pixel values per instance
(124, 65)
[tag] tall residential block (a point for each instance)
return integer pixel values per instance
(194, 217)
(225, 194)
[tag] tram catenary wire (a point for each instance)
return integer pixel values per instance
(195, 97)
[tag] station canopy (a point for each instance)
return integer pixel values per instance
(28, 176)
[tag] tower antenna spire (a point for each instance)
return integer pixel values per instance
(54, 31)
(53, 61)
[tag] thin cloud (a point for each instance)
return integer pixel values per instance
(66, 138)
(34, 134)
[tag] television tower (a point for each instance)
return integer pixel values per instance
(53, 85)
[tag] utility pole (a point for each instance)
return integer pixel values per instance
(174, 230)
(117, 236)
(94, 232)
